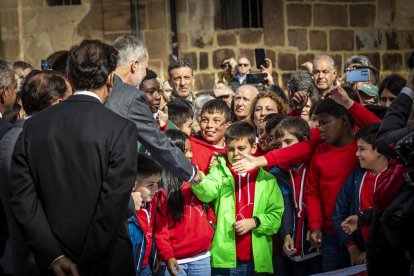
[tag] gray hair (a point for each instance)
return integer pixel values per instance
(302, 81)
(200, 101)
(324, 57)
(129, 48)
(363, 60)
(6, 69)
(178, 64)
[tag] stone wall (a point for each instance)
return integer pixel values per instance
(294, 31)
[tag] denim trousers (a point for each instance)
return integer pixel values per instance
(197, 268)
(242, 269)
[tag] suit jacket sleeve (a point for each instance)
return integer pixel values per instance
(115, 194)
(155, 141)
(28, 211)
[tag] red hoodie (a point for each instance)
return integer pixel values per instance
(244, 186)
(202, 153)
(329, 168)
(187, 238)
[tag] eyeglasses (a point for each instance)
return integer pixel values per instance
(225, 65)
(244, 64)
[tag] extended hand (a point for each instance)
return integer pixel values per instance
(162, 117)
(248, 163)
(64, 267)
(350, 224)
(243, 226)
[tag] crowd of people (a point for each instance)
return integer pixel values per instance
(108, 169)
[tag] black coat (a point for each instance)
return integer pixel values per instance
(73, 169)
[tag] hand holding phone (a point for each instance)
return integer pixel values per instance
(358, 75)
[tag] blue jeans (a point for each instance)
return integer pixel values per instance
(242, 269)
(145, 271)
(334, 253)
(197, 268)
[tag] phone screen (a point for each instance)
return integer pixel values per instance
(260, 57)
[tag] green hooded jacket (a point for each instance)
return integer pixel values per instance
(219, 187)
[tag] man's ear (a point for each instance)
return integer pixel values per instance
(335, 73)
(2, 95)
(110, 79)
(134, 66)
(228, 124)
(193, 82)
(254, 149)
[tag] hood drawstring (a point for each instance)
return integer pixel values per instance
(248, 188)
(302, 185)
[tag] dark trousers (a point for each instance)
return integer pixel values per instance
(283, 266)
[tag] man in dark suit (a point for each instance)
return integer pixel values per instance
(73, 169)
(129, 102)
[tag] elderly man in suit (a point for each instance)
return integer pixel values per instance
(73, 169)
(129, 102)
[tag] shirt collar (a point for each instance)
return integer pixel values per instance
(87, 93)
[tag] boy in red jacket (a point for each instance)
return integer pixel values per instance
(215, 118)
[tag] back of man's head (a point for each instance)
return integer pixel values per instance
(7, 86)
(41, 89)
(90, 64)
(129, 48)
(6, 76)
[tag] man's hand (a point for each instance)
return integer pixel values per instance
(354, 253)
(197, 178)
(362, 258)
(162, 117)
(350, 224)
(243, 226)
(410, 80)
(172, 266)
(289, 246)
(339, 95)
(64, 267)
(299, 101)
(268, 70)
(248, 163)
(314, 236)
(136, 196)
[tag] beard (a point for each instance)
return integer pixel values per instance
(136, 80)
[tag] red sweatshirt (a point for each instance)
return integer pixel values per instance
(329, 168)
(187, 238)
(146, 218)
(366, 197)
(245, 186)
(202, 153)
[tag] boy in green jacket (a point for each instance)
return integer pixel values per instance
(248, 208)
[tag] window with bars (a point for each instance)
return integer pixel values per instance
(241, 14)
(63, 2)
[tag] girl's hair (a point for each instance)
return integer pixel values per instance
(171, 183)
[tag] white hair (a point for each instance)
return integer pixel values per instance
(324, 57)
(130, 48)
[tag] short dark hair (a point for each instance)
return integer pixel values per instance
(90, 64)
(21, 64)
(272, 120)
(149, 76)
(40, 89)
(334, 109)
(178, 64)
(368, 133)
(147, 166)
(239, 131)
(179, 111)
(394, 83)
(217, 106)
(295, 126)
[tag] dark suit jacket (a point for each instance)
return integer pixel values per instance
(131, 103)
(73, 169)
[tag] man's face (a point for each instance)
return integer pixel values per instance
(243, 101)
(140, 71)
(151, 88)
(323, 74)
(182, 81)
(358, 84)
(9, 93)
(237, 147)
(225, 95)
(243, 66)
(213, 127)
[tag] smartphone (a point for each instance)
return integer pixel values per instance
(46, 64)
(255, 78)
(358, 75)
(259, 54)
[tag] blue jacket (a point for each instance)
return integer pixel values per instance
(138, 242)
(347, 203)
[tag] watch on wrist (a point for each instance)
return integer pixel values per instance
(256, 221)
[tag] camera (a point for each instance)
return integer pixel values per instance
(358, 75)
(255, 78)
(405, 150)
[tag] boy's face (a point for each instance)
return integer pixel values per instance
(286, 140)
(263, 137)
(366, 155)
(147, 187)
(331, 128)
(271, 140)
(187, 150)
(237, 147)
(313, 123)
(213, 127)
(187, 126)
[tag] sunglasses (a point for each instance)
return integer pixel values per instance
(225, 65)
(243, 64)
